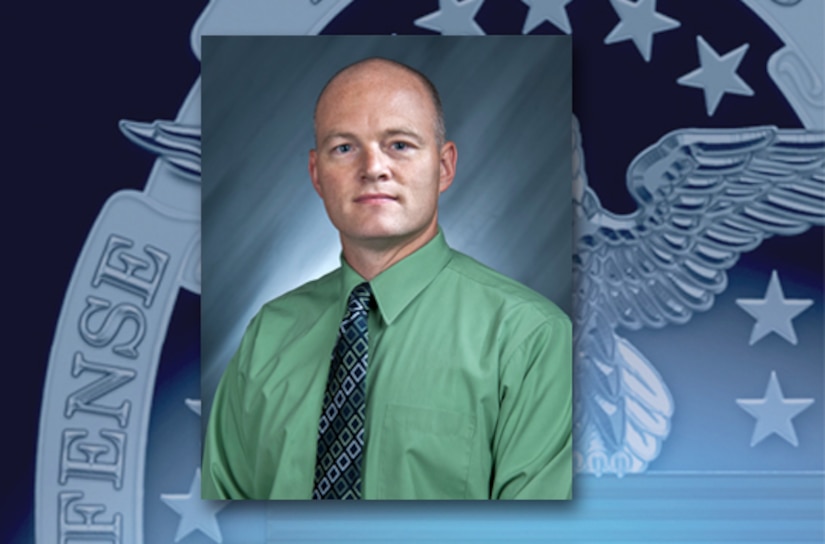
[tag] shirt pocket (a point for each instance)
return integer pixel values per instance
(424, 453)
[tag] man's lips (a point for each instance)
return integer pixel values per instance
(374, 198)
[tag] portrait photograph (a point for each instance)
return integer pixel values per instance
(386, 267)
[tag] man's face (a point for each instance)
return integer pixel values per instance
(377, 164)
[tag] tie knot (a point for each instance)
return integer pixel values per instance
(359, 298)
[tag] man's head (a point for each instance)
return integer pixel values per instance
(440, 126)
(381, 159)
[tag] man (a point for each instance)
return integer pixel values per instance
(443, 380)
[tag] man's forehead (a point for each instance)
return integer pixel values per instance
(371, 86)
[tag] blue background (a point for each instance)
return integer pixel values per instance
(74, 70)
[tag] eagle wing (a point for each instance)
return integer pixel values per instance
(705, 197)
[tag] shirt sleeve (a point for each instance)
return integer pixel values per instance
(532, 444)
(226, 470)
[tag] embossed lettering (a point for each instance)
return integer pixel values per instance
(90, 528)
(111, 325)
(84, 398)
(124, 274)
(89, 466)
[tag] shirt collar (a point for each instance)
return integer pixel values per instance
(397, 286)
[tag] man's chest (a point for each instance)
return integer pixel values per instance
(431, 408)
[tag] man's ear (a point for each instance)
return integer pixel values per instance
(313, 171)
(448, 159)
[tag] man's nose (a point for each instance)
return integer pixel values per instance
(375, 165)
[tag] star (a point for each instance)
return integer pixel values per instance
(774, 312)
(195, 513)
(639, 22)
(774, 413)
(547, 10)
(454, 18)
(717, 75)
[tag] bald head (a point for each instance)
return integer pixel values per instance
(379, 71)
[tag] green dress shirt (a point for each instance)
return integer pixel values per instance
(468, 388)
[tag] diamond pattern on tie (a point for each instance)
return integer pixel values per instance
(341, 429)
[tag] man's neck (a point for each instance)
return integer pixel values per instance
(371, 258)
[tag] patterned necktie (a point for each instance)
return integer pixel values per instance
(341, 430)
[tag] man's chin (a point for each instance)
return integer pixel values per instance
(381, 239)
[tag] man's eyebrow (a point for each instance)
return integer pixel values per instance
(337, 134)
(405, 132)
(389, 133)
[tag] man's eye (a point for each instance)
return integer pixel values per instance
(400, 146)
(343, 148)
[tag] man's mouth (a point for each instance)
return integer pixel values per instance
(374, 198)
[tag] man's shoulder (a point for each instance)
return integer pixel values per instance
(302, 302)
(284, 319)
(502, 291)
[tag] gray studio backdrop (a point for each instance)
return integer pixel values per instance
(507, 104)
